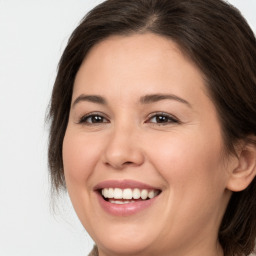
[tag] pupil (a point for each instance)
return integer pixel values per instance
(97, 119)
(161, 119)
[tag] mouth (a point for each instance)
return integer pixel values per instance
(128, 195)
(125, 197)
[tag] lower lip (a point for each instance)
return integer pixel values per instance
(125, 209)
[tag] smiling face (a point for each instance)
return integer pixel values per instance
(143, 132)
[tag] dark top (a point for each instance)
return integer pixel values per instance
(94, 251)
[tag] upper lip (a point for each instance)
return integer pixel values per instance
(124, 184)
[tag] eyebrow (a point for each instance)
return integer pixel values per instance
(90, 98)
(151, 98)
(147, 99)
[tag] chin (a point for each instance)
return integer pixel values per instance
(120, 245)
(124, 239)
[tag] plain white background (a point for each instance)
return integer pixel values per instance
(33, 34)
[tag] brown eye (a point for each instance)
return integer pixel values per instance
(162, 118)
(93, 119)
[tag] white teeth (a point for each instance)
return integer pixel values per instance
(105, 192)
(110, 193)
(151, 194)
(118, 193)
(121, 202)
(136, 193)
(128, 193)
(144, 194)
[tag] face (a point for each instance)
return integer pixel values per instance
(143, 132)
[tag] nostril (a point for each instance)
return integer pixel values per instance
(121, 165)
(128, 163)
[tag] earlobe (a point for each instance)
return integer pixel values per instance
(245, 171)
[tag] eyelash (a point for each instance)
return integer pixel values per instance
(166, 119)
(84, 119)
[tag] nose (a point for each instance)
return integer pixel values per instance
(123, 148)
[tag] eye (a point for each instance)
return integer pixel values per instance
(162, 119)
(93, 118)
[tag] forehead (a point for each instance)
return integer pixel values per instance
(139, 63)
(121, 46)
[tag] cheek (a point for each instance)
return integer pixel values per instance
(79, 157)
(191, 163)
(195, 177)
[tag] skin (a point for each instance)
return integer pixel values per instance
(183, 157)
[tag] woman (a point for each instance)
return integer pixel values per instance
(153, 128)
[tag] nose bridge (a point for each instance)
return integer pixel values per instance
(122, 147)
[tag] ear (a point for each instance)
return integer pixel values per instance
(244, 172)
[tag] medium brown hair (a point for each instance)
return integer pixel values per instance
(215, 36)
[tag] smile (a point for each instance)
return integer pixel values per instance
(125, 197)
